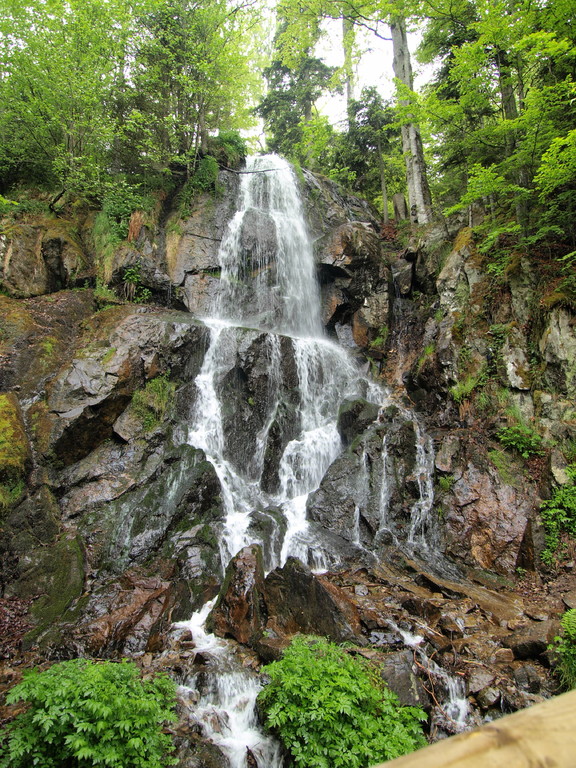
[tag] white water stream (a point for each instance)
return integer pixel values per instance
(268, 284)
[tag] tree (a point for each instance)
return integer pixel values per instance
(503, 99)
(304, 17)
(88, 89)
(291, 94)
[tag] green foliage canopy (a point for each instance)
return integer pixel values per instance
(90, 89)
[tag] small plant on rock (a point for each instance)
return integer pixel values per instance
(521, 438)
(559, 515)
(333, 710)
(84, 713)
(151, 403)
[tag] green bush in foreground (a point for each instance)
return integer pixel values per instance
(332, 710)
(565, 647)
(83, 713)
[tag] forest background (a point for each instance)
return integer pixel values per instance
(115, 105)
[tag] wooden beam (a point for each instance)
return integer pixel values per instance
(542, 736)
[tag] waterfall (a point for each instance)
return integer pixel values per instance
(268, 308)
(268, 285)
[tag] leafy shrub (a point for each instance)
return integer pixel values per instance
(103, 293)
(6, 206)
(559, 515)
(132, 285)
(522, 439)
(332, 710)
(151, 402)
(205, 179)
(118, 204)
(565, 647)
(84, 713)
(229, 148)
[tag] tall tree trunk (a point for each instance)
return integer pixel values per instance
(347, 44)
(510, 112)
(385, 215)
(419, 198)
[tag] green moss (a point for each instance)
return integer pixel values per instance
(109, 355)
(446, 483)
(151, 403)
(58, 575)
(509, 472)
(427, 353)
(14, 450)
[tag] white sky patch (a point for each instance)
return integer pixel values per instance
(374, 67)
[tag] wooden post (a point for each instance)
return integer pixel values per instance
(542, 736)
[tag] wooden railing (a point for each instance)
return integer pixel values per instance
(543, 736)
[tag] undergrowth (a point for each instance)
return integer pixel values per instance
(559, 516)
(565, 647)
(84, 713)
(151, 403)
(333, 710)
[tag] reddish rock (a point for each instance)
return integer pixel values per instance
(129, 612)
(297, 600)
(238, 612)
(487, 521)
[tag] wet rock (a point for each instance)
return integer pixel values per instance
(530, 641)
(192, 243)
(297, 600)
(399, 671)
(200, 292)
(201, 754)
(402, 271)
(445, 458)
(371, 321)
(125, 615)
(488, 697)
(240, 610)
(480, 679)
(527, 678)
(244, 386)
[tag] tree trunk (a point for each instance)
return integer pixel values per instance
(419, 199)
(347, 44)
(385, 215)
(510, 112)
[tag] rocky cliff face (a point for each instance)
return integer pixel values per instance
(111, 520)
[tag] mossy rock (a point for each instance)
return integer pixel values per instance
(14, 450)
(57, 574)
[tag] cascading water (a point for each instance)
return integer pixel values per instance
(269, 298)
(268, 283)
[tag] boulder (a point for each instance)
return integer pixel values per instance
(399, 671)
(239, 611)
(39, 259)
(298, 600)
(531, 641)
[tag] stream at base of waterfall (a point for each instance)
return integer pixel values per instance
(268, 288)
